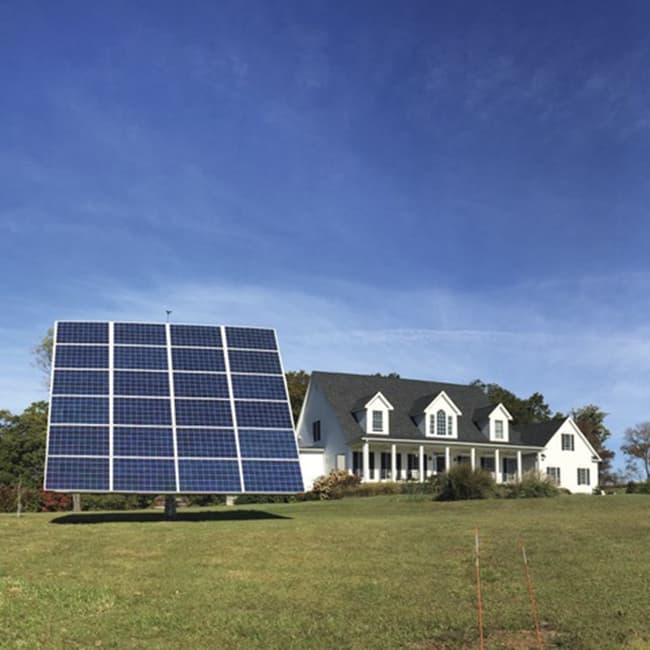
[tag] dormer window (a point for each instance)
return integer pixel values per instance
(442, 423)
(373, 415)
(498, 429)
(378, 421)
(441, 417)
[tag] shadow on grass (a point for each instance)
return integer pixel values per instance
(144, 517)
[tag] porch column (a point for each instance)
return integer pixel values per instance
(447, 459)
(366, 462)
(393, 462)
(519, 472)
(434, 464)
(473, 457)
(497, 468)
(421, 467)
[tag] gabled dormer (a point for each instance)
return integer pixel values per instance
(441, 417)
(494, 422)
(373, 414)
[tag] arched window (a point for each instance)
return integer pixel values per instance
(442, 423)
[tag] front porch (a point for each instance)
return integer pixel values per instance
(384, 461)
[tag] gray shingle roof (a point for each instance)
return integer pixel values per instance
(348, 393)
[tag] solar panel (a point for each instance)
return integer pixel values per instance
(166, 408)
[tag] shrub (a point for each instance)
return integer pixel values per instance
(462, 482)
(116, 501)
(631, 488)
(30, 499)
(246, 499)
(532, 485)
(205, 499)
(54, 501)
(371, 489)
(331, 486)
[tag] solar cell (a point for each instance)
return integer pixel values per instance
(251, 338)
(272, 476)
(142, 333)
(78, 441)
(137, 410)
(254, 361)
(194, 384)
(131, 382)
(144, 475)
(143, 441)
(196, 335)
(77, 332)
(206, 443)
(79, 410)
(209, 476)
(258, 387)
(80, 382)
(124, 419)
(81, 356)
(263, 414)
(140, 358)
(198, 359)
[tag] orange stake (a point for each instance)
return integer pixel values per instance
(531, 593)
(478, 592)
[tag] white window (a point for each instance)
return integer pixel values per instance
(378, 421)
(442, 423)
(568, 443)
(432, 424)
(554, 474)
(315, 430)
(498, 429)
(450, 425)
(583, 476)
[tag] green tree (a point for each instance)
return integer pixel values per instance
(43, 353)
(22, 446)
(297, 382)
(591, 420)
(523, 410)
(637, 446)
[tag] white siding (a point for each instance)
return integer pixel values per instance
(316, 407)
(570, 461)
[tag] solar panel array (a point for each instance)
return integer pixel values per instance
(166, 408)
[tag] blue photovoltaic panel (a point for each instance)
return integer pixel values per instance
(73, 332)
(80, 382)
(78, 441)
(131, 382)
(139, 333)
(254, 361)
(258, 387)
(71, 474)
(206, 443)
(209, 476)
(272, 476)
(194, 384)
(158, 408)
(196, 335)
(140, 358)
(256, 443)
(135, 410)
(79, 410)
(198, 359)
(144, 475)
(263, 414)
(143, 441)
(81, 356)
(246, 337)
(198, 413)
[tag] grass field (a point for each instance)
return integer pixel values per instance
(383, 572)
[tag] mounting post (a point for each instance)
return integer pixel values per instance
(170, 507)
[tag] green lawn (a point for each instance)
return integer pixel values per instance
(382, 572)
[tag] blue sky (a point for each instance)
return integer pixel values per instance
(449, 192)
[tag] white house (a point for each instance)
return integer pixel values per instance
(386, 428)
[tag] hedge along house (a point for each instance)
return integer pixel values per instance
(384, 428)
